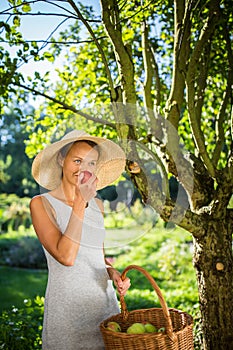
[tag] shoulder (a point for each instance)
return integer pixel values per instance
(40, 205)
(36, 200)
(39, 201)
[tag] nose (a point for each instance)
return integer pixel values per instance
(86, 166)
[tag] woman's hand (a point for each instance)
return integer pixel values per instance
(121, 286)
(86, 187)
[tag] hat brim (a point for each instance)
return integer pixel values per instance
(47, 171)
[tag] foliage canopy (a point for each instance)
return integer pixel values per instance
(157, 77)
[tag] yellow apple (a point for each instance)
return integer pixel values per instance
(113, 326)
(136, 328)
(150, 328)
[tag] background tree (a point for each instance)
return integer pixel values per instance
(15, 169)
(157, 76)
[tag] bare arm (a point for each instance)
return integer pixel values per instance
(63, 247)
(115, 276)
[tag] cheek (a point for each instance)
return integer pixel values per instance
(74, 168)
(70, 167)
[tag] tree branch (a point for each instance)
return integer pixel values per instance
(151, 70)
(219, 128)
(38, 14)
(206, 32)
(125, 112)
(181, 51)
(110, 14)
(66, 106)
(201, 82)
(71, 2)
(15, 7)
(162, 167)
(170, 211)
(56, 42)
(147, 68)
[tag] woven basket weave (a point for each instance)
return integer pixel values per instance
(178, 325)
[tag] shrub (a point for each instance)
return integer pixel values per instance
(14, 212)
(137, 215)
(20, 329)
(26, 252)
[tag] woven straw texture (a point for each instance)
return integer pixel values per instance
(178, 325)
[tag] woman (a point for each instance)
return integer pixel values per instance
(68, 221)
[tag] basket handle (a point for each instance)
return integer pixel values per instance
(124, 311)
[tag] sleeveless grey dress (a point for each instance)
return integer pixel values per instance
(78, 297)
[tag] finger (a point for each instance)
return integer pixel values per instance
(93, 180)
(125, 286)
(126, 282)
(118, 285)
(124, 291)
(80, 177)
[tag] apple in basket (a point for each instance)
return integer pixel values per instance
(113, 326)
(162, 329)
(150, 328)
(86, 176)
(136, 328)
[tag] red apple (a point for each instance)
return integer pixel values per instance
(86, 176)
(114, 326)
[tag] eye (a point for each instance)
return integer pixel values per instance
(77, 161)
(93, 163)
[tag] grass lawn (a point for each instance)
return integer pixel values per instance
(165, 253)
(19, 284)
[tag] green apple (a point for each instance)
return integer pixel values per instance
(136, 328)
(162, 329)
(150, 328)
(113, 326)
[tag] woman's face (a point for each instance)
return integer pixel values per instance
(80, 157)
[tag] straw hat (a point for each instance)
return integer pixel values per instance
(48, 172)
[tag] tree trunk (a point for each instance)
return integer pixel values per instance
(214, 266)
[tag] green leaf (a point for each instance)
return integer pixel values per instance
(34, 45)
(25, 46)
(37, 75)
(26, 7)
(48, 56)
(16, 21)
(6, 26)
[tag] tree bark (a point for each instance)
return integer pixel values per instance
(213, 263)
(202, 32)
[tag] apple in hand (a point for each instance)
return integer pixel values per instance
(113, 326)
(86, 176)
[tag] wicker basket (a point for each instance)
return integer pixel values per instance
(178, 325)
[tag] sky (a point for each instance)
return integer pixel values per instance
(39, 28)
